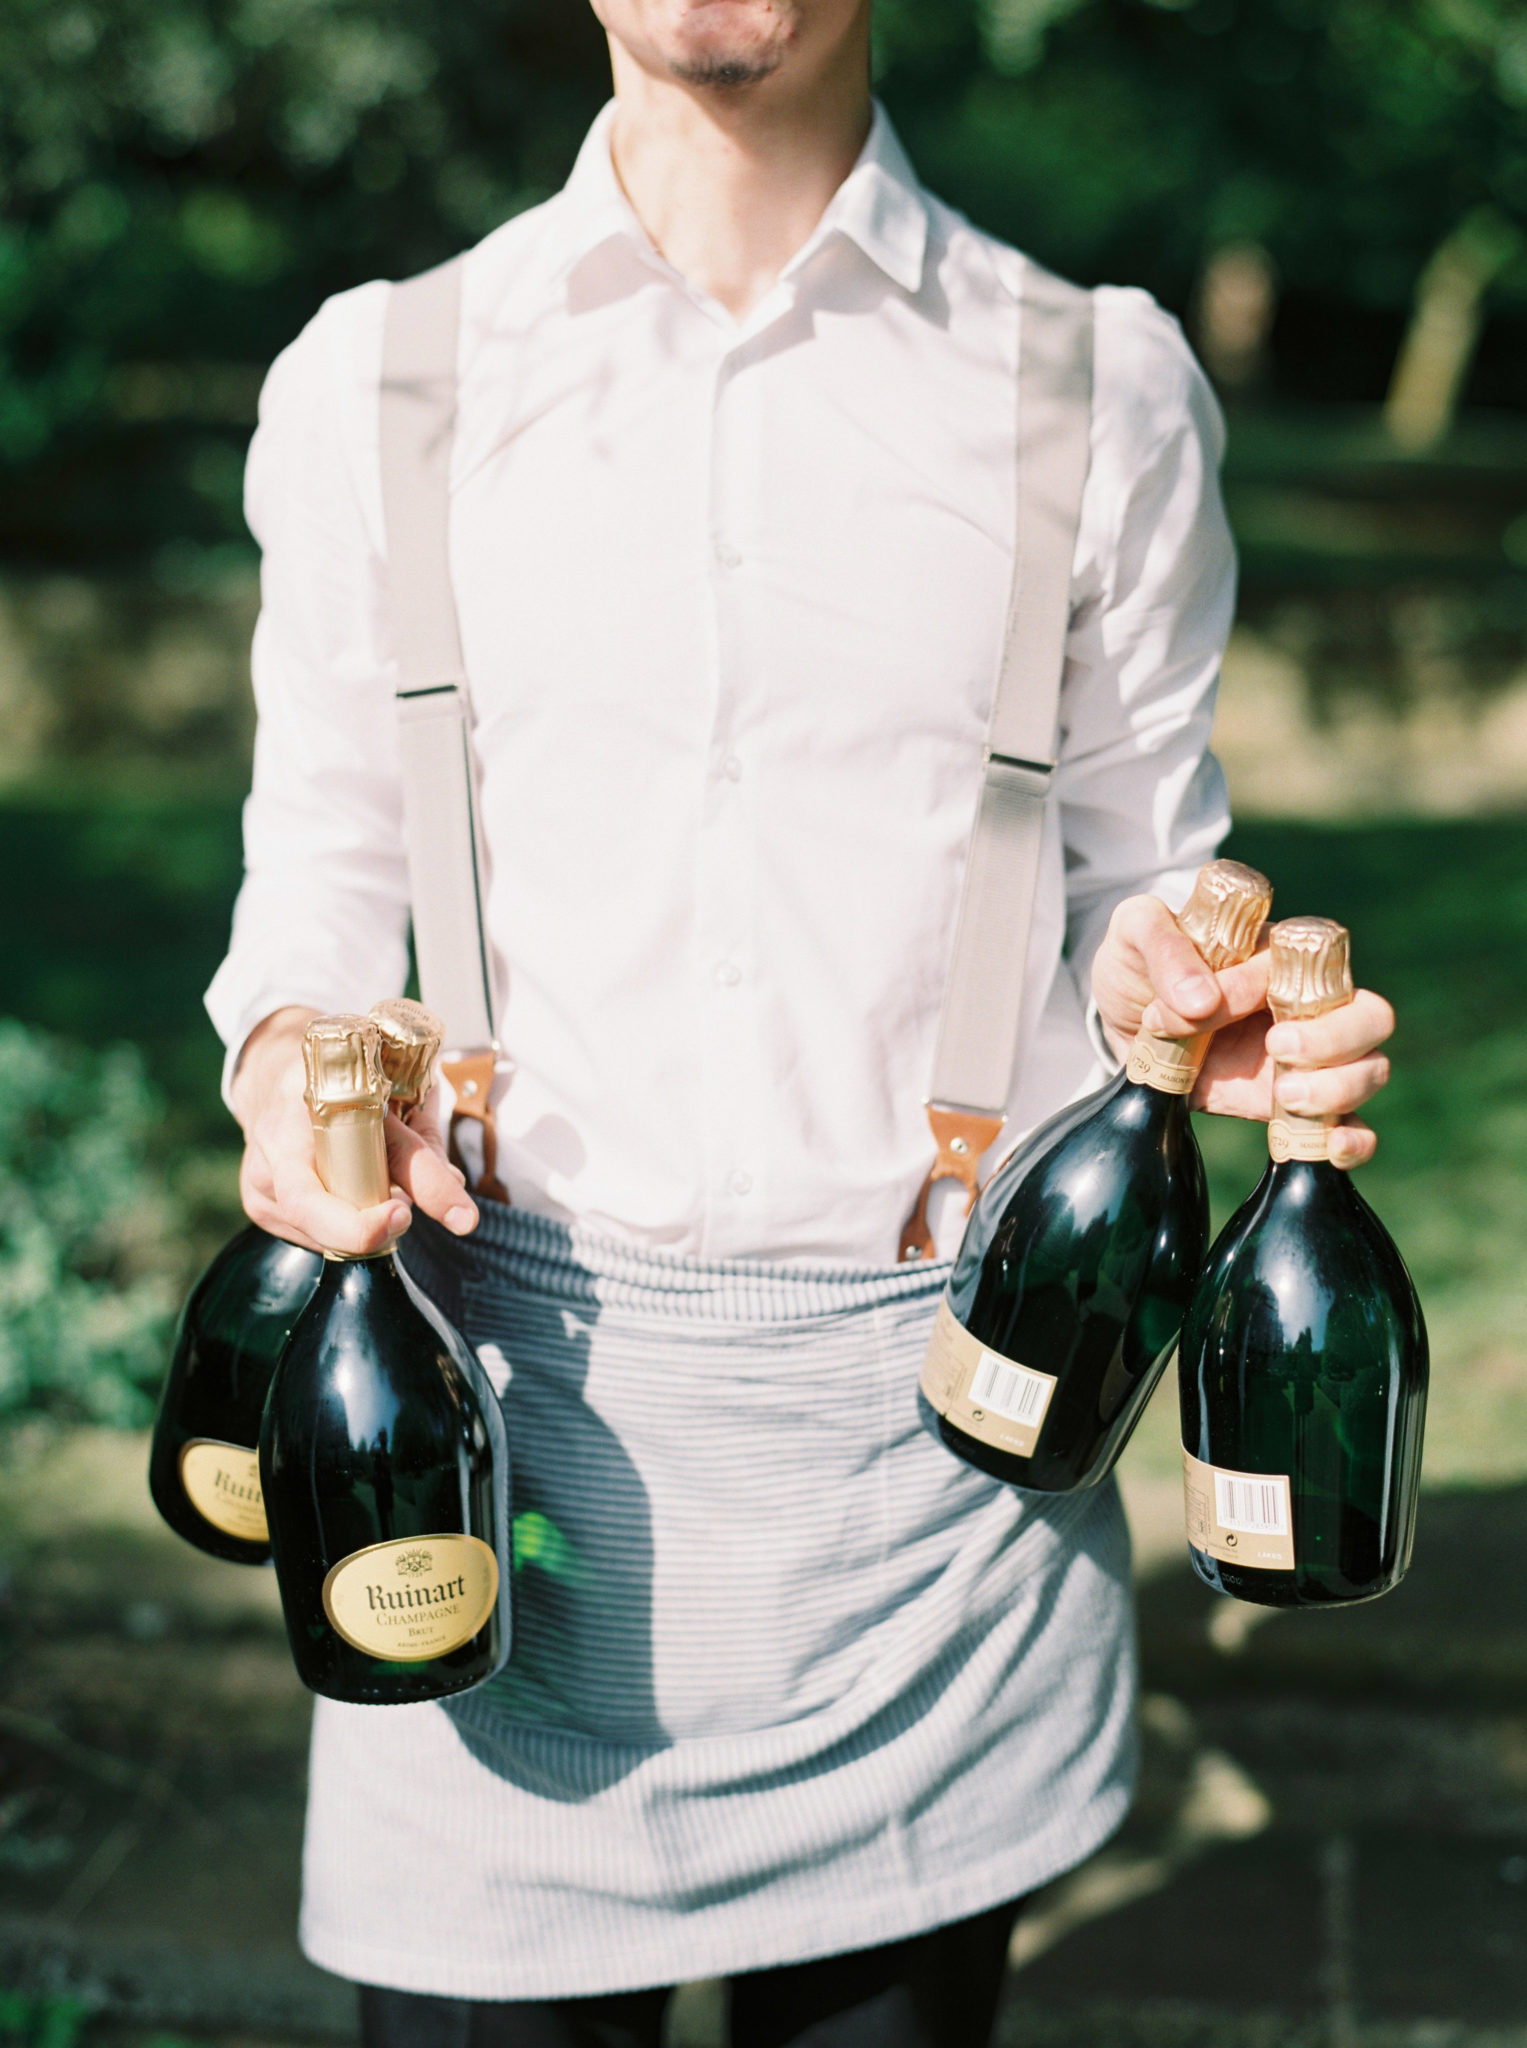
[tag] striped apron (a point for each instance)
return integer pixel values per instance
(788, 1679)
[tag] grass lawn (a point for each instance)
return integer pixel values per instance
(118, 915)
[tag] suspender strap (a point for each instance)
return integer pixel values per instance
(447, 871)
(981, 1018)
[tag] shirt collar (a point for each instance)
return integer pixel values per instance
(879, 206)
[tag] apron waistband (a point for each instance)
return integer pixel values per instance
(580, 1265)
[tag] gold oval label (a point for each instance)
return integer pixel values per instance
(410, 1601)
(222, 1483)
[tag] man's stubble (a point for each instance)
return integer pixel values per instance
(718, 45)
(722, 72)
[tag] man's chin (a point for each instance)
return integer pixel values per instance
(724, 71)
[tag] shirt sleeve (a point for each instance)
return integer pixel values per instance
(322, 917)
(1142, 800)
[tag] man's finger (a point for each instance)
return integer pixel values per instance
(1349, 1033)
(1352, 1144)
(255, 1175)
(1174, 965)
(420, 1168)
(1332, 1091)
(332, 1225)
(1242, 992)
(257, 1192)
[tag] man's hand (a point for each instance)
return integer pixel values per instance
(1146, 973)
(279, 1182)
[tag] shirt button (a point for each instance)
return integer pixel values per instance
(731, 768)
(728, 974)
(727, 555)
(741, 1183)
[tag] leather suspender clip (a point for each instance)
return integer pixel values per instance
(961, 1135)
(470, 1075)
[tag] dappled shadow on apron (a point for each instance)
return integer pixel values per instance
(574, 1709)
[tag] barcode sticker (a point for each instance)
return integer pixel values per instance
(1016, 1393)
(994, 1399)
(1254, 1507)
(1244, 1518)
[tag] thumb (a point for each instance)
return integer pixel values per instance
(417, 1161)
(1187, 993)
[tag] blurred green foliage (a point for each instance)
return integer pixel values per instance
(182, 181)
(86, 1301)
(123, 921)
(41, 2022)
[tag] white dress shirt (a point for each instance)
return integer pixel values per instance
(731, 595)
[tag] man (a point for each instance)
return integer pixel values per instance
(797, 1699)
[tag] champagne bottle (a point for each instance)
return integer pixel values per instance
(1081, 1256)
(382, 1453)
(1303, 1368)
(204, 1464)
(204, 1470)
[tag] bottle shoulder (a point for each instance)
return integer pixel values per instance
(370, 1338)
(248, 1298)
(1305, 1248)
(263, 1273)
(1085, 1161)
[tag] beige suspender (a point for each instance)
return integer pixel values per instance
(983, 998)
(447, 865)
(979, 1027)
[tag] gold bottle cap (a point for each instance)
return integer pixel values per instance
(1309, 968)
(347, 1100)
(1225, 914)
(411, 1037)
(1309, 971)
(343, 1059)
(1223, 917)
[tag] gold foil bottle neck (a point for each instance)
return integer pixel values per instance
(347, 1100)
(1223, 917)
(1309, 971)
(1225, 914)
(342, 1056)
(411, 1038)
(1309, 968)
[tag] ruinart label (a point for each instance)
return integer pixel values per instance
(222, 1483)
(1242, 1518)
(410, 1601)
(994, 1399)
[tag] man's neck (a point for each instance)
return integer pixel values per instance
(730, 183)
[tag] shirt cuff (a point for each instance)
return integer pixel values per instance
(1098, 1038)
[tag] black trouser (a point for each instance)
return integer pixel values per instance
(938, 1990)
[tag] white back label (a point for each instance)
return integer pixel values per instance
(1244, 1518)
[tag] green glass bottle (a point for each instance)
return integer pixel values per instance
(382, 1453)
(1303, 1367)
(1083, 1251)
(203, 1464)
